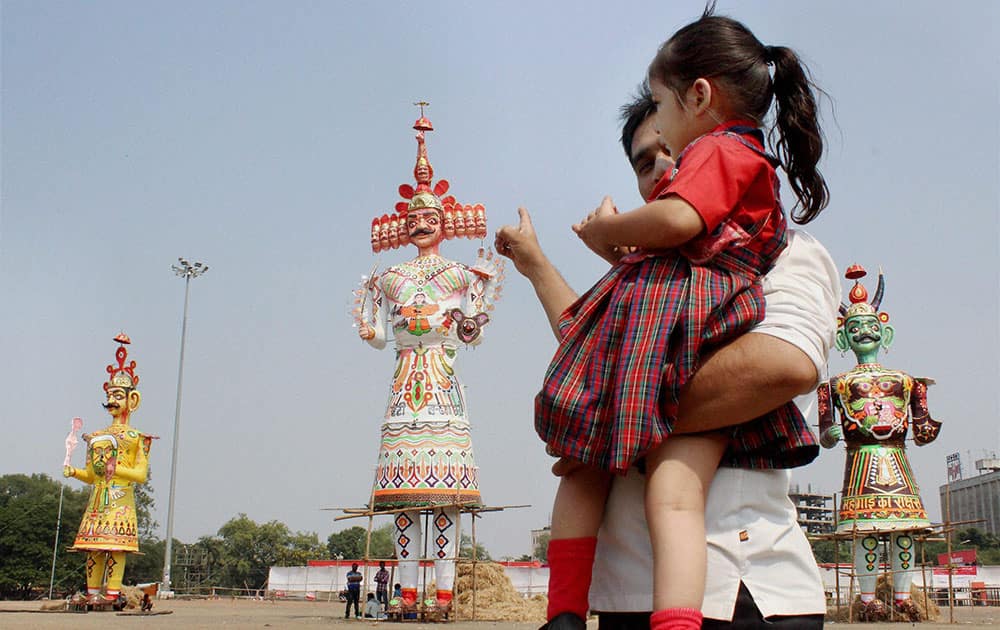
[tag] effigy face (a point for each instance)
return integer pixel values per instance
(121, 403)
(103, 453)
(449, 223)
(864, 334)
(424, 227)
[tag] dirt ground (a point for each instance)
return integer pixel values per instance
(241, 614)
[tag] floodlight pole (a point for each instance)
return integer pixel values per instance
(55, 545)
(187, 271)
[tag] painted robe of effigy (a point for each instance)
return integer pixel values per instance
(109, 520)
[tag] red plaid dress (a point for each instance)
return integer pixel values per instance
(634, 339)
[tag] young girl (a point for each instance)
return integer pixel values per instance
(709, 232)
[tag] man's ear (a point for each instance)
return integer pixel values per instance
(700, 95)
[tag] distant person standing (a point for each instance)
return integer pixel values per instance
(382, 584)
(353, 591)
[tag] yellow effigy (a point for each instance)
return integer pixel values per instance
(117, 459)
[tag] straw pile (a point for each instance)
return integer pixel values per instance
(496, 599)
(929, 611)
(133, 597)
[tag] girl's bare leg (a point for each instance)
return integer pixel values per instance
(576, 517)
(579, 505)
(679, 472)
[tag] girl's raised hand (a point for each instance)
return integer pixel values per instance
(591, 233)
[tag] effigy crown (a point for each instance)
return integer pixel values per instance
(123, 375)
(859, 296)
(468, 221)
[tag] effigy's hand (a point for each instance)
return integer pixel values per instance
(67, 471)
(365, 331)
(834, 434)
(591, 232)
(487, 264)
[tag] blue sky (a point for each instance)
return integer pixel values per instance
(262, 137)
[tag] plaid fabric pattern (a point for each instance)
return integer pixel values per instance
(634, 340)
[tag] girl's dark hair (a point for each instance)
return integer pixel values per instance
(724, 50)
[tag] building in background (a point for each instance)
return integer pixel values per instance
(815, 511)
(974, 499)
(540, 543)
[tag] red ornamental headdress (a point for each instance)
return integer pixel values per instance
(123, 375)
(859, 297)
(458, 220)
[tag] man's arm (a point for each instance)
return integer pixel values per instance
(743, 380)
(520, 244)
(783, 357)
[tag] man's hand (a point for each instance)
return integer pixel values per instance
(365, 331)
(591, 233)
(565, 466)
(520, 244)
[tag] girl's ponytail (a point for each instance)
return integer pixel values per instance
(798, 141)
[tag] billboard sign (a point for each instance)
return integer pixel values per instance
(960, 558)
(954, 467)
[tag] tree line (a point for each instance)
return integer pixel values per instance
(238, 556)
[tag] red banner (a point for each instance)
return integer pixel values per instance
(962, 558)
(957, 571)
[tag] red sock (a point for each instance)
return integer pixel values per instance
(571, 561)
(676, 619)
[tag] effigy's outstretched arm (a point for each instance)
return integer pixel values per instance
(489, 268)
(925, 428)
(368, 313)
(85, 475)
(829, 429)
(485, 281)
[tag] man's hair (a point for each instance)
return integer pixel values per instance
(633, 114)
